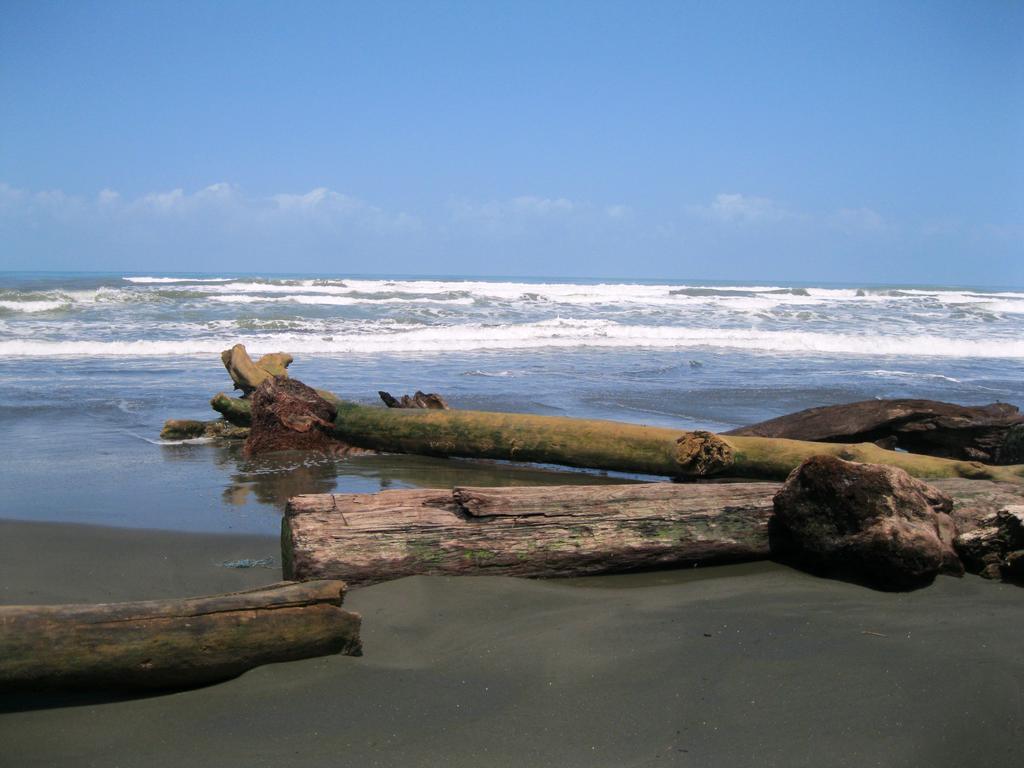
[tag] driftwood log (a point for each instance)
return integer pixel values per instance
(610, 445)
(606, 445)
(990, 433)
(172, 643)
(554, 530)
(535, 531)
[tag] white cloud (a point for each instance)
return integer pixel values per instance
(163, 202)
(319, 199)
(108, 197)
(733, 207)
(514, 210)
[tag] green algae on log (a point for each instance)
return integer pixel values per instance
(234, 409)
(544, 531)
(172, 643)
(190, 429)
(595, 444)
(606, 445)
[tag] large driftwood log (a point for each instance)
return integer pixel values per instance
(551, 530)
(536, 531)
(606, 445)
(990, 433)
(172, 643)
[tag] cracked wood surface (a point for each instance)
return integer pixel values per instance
(172, 643)
(524, 531)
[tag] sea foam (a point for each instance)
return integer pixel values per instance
(555, 334)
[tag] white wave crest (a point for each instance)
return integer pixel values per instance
(231, 298)
(565, 334)
(33, 305)
(147, 280)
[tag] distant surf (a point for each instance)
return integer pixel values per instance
(165, 315)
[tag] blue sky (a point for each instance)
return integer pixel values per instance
(820, 141)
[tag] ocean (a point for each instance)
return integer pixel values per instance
(92, 364)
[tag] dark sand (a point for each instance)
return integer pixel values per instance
(753, 665)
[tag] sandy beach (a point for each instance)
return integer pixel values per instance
(581, 247)
(737, 665)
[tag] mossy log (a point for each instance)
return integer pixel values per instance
(172, 643)
(607, 445)
(532, 531)
(617, 446)
(233, 409)
(190, 429)
(594, 444)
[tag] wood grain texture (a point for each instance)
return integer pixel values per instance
(536, 531)
(172, 643)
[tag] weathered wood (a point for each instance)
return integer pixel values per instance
(418, 400)
(607, 445)
(990, 433)
(618, 446)
(534, 531)
(288, 415)
(189, 429)
(233, 409)
(172, 643)
(247, 374)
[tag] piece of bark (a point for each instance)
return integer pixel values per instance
(172, 643)
(990, 433)
(418, 400)
(524, 531)
(868, 523)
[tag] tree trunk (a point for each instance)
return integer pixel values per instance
(548, 531)
(588, 443)
(616, 446)
(534, 531)
(607, 445)
(172, 643)
(991, 433)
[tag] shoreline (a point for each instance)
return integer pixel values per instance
(744, 664)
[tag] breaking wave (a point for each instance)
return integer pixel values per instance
(561, 333)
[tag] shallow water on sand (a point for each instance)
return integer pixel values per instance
(91, 366)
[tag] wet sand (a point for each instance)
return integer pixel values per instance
(741, 665)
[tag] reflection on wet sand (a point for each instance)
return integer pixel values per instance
(274, 478)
